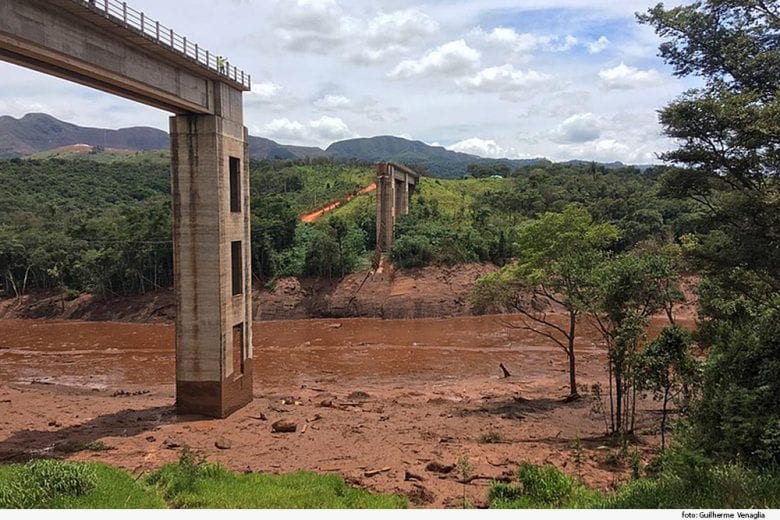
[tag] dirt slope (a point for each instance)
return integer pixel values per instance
(428, 292)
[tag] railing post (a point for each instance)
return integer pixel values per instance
(196, 53)
(184, 45)
(143, 19)
(208, 59)
(124, 12)
(105, 6)
(157, 31)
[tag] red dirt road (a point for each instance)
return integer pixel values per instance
(427, 391)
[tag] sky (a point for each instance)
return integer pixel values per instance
(562, 79)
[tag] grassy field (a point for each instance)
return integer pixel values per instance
(190, 483)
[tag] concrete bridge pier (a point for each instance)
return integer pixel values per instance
(109, 46)
(212, 264)
(395, 184)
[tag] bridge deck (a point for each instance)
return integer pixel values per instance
(156, 38)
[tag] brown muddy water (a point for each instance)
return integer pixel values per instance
(106, 354)
(102, 354)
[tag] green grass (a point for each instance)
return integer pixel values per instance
(220, 489)
(712, 487)
(190, 483)
(51, 484)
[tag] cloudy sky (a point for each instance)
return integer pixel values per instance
(563, 79)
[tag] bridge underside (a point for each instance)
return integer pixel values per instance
(73, 40)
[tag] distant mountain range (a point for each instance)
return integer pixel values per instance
(40, 132)
(35, 133)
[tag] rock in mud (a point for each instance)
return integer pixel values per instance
(438, 467)
(284, 426)
(171, 444)
(358, 396)
(420, 495)
(326, 403)
(223, 443)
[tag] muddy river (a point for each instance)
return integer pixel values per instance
(431, 391)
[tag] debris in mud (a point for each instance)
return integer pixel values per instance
(223, 443)
(373, 472)
(409, 476)
(358, 396)
(284, 426)
(55, 424)
(334, 326)
(505, 373)
(420, 495)
(151, 438)
(437, 467)
(260, 417)
(326, 403)
(123, 393)
(171, 444)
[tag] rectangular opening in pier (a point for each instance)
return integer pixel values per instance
(236, 262)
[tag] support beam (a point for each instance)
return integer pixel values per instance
(108, 46)
(395, 183)
(212, 265)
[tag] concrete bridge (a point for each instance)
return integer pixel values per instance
(107, 45)
(395, 184)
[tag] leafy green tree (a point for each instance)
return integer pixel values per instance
(628, 290)
(668, 370)
(727, 161)
(557, 254)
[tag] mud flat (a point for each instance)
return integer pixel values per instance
(381, 402)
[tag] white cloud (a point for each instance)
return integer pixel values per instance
(400, 27)
(266, 89)
(579, 128)
(309, 25)
(521, 43)
(285, 129)
(505, 79)
(323, 27)
(480, 147)
(599, 45)
(333, 102)
(454, 58)
(269, 95)
(568, 42)
(329, 129)
(626, 77)
(320, 131)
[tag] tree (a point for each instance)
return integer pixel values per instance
(557, 253)
(667, 368)
(628, 290)
(728, 162)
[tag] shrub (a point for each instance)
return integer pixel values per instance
(411, 251)
(38, 483)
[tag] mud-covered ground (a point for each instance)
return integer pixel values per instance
(377, 401)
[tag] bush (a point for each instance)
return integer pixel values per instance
(542, 487)
(40, 482)
(411, 251)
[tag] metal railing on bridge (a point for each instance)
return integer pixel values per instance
(165, 36)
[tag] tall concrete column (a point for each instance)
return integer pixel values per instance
(212, 263)
(386, 200)
(405, 208)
